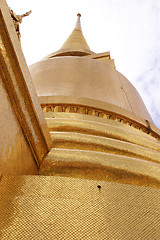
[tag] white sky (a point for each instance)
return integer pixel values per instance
(129, 29)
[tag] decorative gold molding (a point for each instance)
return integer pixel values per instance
(105, 167)
(70, 108)
(19, 87)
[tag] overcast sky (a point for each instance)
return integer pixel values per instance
(129, 29)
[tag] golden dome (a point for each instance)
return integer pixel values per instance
(82, 77)
(96, 117)
(75, 71)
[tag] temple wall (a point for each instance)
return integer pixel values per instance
(24, 136)
(15, 154)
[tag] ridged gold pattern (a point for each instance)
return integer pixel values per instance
(47, 207)
(70, 140)
(100, 166)
(86, 146)
(109, 129)
(98, 113)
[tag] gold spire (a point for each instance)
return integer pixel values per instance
(76, 41)
(78, 23)
(75, 45)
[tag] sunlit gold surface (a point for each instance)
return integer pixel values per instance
(71, 140)
(101, 166)
(101, 178)
(86, 147)
(75, 45)
(104, 57)
(107, 129)
(99, 124)
(47, 207)
(24, 133)
(82, 77)
(121, 146)
(50, 109)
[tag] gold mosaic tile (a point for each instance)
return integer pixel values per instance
(46, 207)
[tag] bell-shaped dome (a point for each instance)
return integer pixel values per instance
(75, 71)
(97, 119)
(82, 77)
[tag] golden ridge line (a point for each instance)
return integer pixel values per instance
(97, 113)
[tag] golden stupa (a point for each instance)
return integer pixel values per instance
(84, 165)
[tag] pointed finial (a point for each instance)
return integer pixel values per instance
(78, 23)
